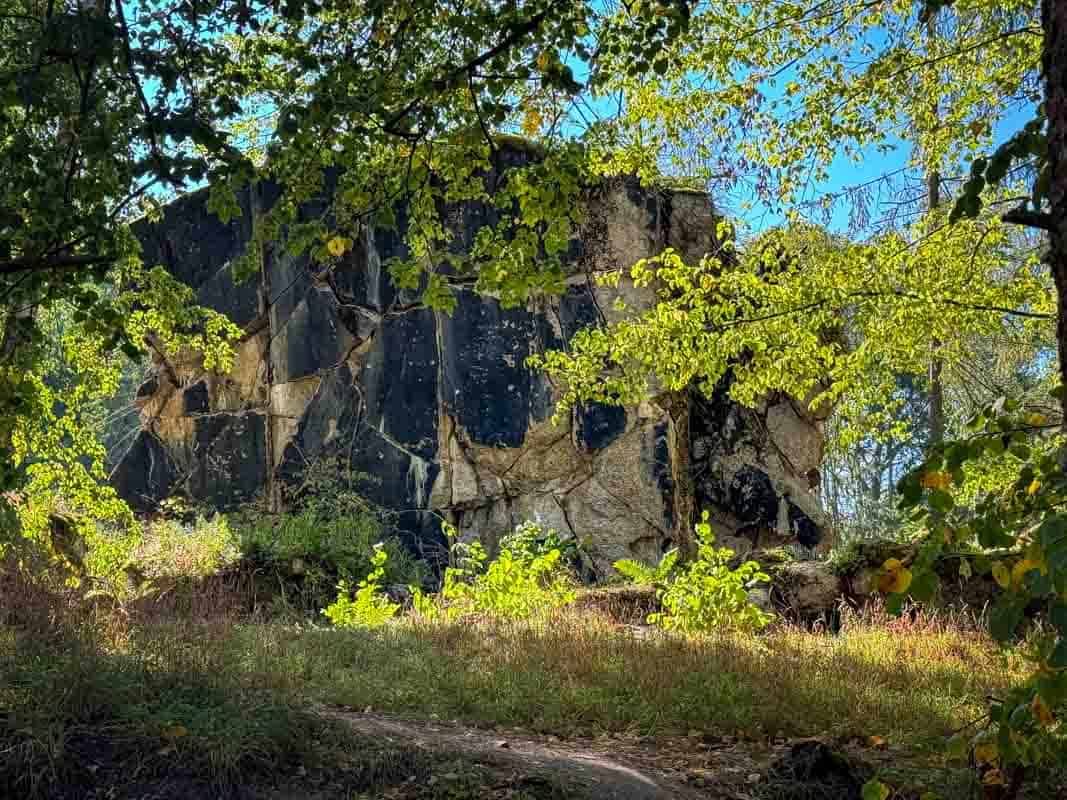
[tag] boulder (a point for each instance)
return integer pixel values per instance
(807, 590)
(439, 412)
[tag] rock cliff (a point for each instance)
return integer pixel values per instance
(439, 410)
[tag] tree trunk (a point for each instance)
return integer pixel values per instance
(1054, 62)
(936, 390)
(677, 405)
(935, 416)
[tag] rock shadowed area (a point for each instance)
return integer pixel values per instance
(440, 411)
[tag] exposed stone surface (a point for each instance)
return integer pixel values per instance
(440, 411)
(758, 467)
(807, 589)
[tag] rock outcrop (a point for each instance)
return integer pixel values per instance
(440, 411)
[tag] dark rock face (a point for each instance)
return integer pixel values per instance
(487, 387)
(440, 411)
(752, 465)
(197, 247)
(232, 446)
(195, 398)
(146, 473)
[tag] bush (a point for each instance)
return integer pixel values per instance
(369, 607)
(331, 535)
(171, 548)
(128, 563)
(530, 540)
(528, 578)
(324, 548)
(707, 595)
(642, 574)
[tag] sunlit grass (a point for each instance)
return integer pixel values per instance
(241, 694)
(911, 682)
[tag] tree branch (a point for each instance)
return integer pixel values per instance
(1029, 219)
(40, 263)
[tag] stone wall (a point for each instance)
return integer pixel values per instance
(440, 409)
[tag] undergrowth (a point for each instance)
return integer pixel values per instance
(209, 698)
(228, 701)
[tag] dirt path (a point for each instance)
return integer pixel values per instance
(589, 769)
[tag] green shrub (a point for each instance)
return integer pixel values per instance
(640, 573)
(530, 539)
(369, 607)
(707, 595)
(320, 546)
(125, 563)
(529, 577)
(330, 534)
(171, 548)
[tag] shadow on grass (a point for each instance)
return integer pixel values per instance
(198, 700)
(80, 713)
(575, 674)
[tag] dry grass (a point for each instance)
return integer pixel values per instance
(909, 681)
(80, 683)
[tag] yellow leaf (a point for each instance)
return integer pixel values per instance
(902, 581)
(986, 753)
(993, 778)
(1032, 489)
(895, 579)
(1036, 419)
(337, 246)
(1024, 566)
(1041, 711)
(1001, 575)
(532, 121)
(175, 732)
(936, 480)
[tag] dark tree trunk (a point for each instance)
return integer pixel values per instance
(677, 406)
(1054, 62)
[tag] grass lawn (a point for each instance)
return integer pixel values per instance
(107, 701)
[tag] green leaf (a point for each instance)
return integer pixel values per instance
(1058, 659)
(910, 489)
(1057, 616)
(1036, 583)
(958, 747)
(1052, 531)
(874, 789)
(924, 585)
(894, 604)
(1005, 617)
(1020, 451)
(941, 501)
(991, 533)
